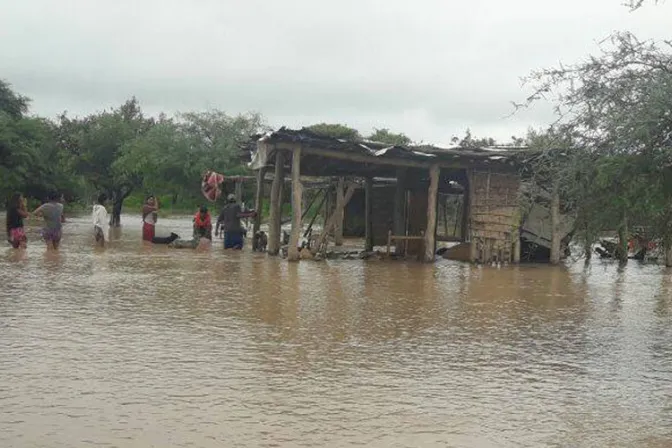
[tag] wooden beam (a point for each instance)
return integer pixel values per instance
(297, 203)
(329, 225)
(400, 209)
(432, 199)
(259, 200)
(338, 226)
(274, 231)
(325, 193)
(368, 214)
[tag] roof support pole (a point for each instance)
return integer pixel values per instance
(297, 202)
(368, 214)
(259, 199)
(275, 226)
(338, 229)
(432, 200)
(400, 210)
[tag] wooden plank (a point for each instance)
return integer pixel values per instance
(400, 207)
(297, 202)
(329, 225)
(338, 226)
(274, 231)
(432, 198)
(368, 214)
(259, 200)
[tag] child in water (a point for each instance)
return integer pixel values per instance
(52, 212)
(203, 224)
(101, 222)
(16, 212)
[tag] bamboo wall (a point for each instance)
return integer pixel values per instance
(494, 215)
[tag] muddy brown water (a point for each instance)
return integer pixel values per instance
(141, 346)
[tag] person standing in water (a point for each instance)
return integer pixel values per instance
(101, 222)
(229, 220)
(149, 218)
(16, 213)
(52, 212)
(203, 224)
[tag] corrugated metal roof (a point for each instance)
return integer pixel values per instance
(306, 137)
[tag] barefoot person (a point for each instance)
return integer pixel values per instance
(149, 218)
(101, 222)
(16, 212)
(52, 212)
(229, 220)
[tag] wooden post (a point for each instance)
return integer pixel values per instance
(331, 222)
(239, 190)
(432, 198)
(400, 209)
(338, 229)
(274, 230)
(516, 245)
(668, 254)
(368, 214)
(466, 209)
(555, 226)
(297, 202)
(259, 199)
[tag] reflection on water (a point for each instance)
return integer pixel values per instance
(141, 345)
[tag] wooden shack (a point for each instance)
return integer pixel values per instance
(396, 193)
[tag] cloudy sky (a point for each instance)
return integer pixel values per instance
(429, 68)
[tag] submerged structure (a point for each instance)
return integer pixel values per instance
(410, 197)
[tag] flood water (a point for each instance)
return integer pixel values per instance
(145, 346)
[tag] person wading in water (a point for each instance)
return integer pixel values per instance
(203, 224)
(149, 218)
(52, 212)
(101, 222)
(16, 212)
(229, 220)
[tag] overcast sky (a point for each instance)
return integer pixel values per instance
(429, 68)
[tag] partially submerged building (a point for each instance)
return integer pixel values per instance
(395, 194)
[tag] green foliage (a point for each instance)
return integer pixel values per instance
(385, 136)
(611, 150)
(336, 131)
(468, 141)
(11, 103)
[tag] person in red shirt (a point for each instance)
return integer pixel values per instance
(203, 224)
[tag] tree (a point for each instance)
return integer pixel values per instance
(11, 103)
(385, 136)
(468, 141)
(339, 131)
(173, 154)
(94, 143)
(217, 138)
(617, 107)
(29, 158)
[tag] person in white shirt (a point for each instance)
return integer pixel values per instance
(101, 222)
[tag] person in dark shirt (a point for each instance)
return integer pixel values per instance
(229, 221)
